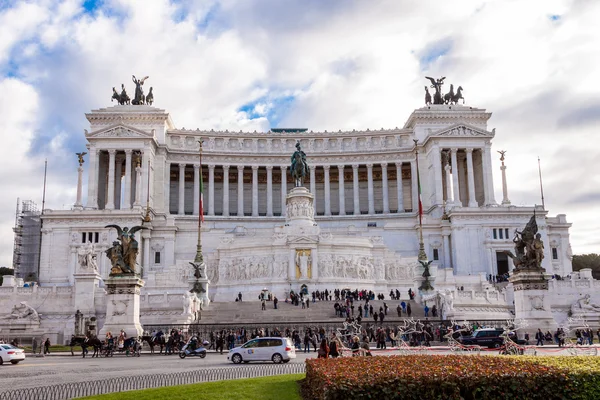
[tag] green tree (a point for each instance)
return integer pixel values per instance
(5, 271)
(591, 260)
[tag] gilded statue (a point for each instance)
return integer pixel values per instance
(80, 157)
(123, 253)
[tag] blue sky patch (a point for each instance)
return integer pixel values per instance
(90, 6)
(434, 51)
(554, 17)
(274, 109)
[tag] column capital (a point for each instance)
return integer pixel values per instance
(454, 150)
(196, 167)
(341, 167)
(269, 167)
(398, 165)
(384, 164)
(240, 168)
(255, 168)
(182, 165)
(211, 167)
(370, 166)
(354, 166)
(326, 167)
(225, 167)
(312, 167)
(283, 168)
(469, 150)
(128, 152)
(112, 152)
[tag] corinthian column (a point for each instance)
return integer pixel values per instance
(240, 200)
(505, 200)
(327, 191)
(197, 173)
(181, 209)
(226, 190)
(255, 190)
(455, 184)
(110, 204)
(211, 190)
(313, 186)
(341, 192)
(269, 190)
(384, 184)
(284, 188)
(92, 200)
(399, 187)
(78, 203)
(471, 178)
(371, 193)
(126, 201)
(355, 188)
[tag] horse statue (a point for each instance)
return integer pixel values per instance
(150, 97)
(299, 167)
(427, 97)
(450, 95)
(457, 96)
(124, 96)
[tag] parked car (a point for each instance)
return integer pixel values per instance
(276, 349)
(11, 353)
(488, 337)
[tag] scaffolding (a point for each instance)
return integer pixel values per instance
(26, 250)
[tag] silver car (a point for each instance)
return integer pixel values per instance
(276, 349)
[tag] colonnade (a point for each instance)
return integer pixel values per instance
(375, 196)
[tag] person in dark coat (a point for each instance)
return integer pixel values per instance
(408, 310)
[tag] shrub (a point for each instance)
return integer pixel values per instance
(450, 377)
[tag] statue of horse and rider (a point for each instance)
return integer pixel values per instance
(299, 166)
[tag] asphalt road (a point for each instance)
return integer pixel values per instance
(56, 369)
(64, 368)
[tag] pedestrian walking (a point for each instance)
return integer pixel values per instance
(426, 309)
(34, 346)
(47, 346)
(539, 336)
(408, 310)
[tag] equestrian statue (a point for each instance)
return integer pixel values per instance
(299, 167)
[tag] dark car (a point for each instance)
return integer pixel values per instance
(488, 337)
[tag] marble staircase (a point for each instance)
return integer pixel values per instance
(320, 311)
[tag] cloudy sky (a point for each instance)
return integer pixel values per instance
(320, 64)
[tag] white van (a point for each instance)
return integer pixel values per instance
(276, 349)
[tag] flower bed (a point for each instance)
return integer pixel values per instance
(452, 377)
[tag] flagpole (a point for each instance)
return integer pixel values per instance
(199, 257)
(422, 255)
(541, 185)
(39, 261)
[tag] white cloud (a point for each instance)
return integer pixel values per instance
(346, 64)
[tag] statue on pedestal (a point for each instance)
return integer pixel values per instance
(529, 248)
(123, 256)
(139, 98)
(87, 257)
(299, 167)
(426, 285)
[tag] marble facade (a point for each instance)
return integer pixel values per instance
(358, 230)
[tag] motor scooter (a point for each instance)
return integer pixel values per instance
(188, 351)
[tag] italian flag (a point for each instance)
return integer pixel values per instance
(201, 194)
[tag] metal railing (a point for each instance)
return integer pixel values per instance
(137, 382)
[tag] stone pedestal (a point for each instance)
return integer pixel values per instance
(299, 207)
(200, 286)
(123, 306)
(86, 287)
(532, 299)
